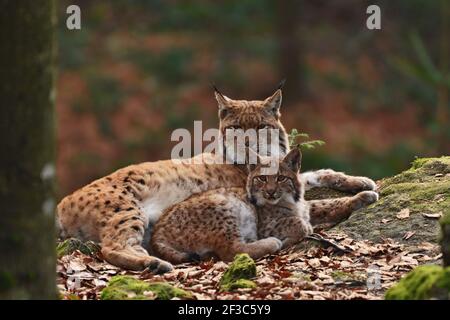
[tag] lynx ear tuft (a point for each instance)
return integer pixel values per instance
(273, 103)
(222, 101)
(281, 84)
(293, 159)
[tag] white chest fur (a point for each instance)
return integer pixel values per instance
(167, 195)
(247, 222)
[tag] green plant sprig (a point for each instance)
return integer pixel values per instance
(294, 137)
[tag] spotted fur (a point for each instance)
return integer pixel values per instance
(282, 210)
(225, 222)
(117, 210)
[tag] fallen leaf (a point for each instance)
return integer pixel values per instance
(386, 220)
(315, 263)
(403, 214)
(291, 274)
(76, 265)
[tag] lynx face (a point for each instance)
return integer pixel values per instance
(238, 118)
(284, 185)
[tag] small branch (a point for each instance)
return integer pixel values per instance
(327, 242)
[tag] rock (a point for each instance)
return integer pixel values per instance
(70, 245)
(424, 282)
(445, 238)
(239, 273)
(420, 191)
(129, 288)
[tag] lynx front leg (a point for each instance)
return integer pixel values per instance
(337, 180)
(122, 245)
(327, 213)
(255, 249)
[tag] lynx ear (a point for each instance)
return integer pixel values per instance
(223, 102)
(273, 103)
(293, 159)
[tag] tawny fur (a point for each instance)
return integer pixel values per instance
(116, 210)
(217, 223)
(225, 222)
(269, 214)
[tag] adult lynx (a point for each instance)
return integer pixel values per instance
(118, 209)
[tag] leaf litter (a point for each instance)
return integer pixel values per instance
(344, 270)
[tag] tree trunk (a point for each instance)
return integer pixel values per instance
(289, 49)
(442, 114)
(27, 164)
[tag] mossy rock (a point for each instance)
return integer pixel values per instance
(239, 273)
(445, 238)
(424, 282)
(70, 245)
(423, 189)
(129, 288)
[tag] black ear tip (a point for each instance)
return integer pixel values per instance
(213, 85)
(281, 85)
(300, 155)
(295, 152)
(297, 149)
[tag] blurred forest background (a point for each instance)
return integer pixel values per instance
(139, 69)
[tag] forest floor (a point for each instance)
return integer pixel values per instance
(359, 259)
(338, 268)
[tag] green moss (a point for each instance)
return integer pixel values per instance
(300, 276)
(240, 283)
(242, 268)
(70, 245)
(445, 220)
(444, 238)
(421, 162)
(419, 196)
(341, 275)
(424, 282)
(422, 169)
(129, 288)
(424, 188)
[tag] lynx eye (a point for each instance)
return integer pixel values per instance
(281, 178)
(261, 178)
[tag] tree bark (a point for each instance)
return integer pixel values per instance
(289, 49)
(27, 164)
(442, 113)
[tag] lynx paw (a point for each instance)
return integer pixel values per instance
(158, 266)
(366, 197)
(367, 184)
(276, 243)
